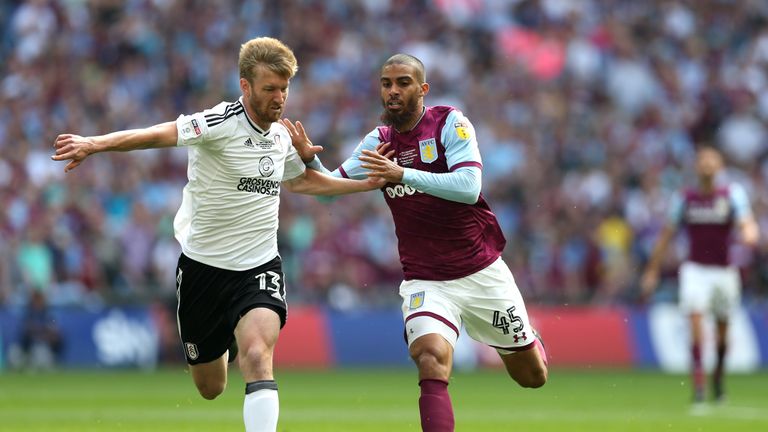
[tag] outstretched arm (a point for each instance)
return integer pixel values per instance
(462, 185)
(308, 153)
(316, 183)
(350, 168)
(76, 148)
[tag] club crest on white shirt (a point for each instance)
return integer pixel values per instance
(266, 166)
(428, 150)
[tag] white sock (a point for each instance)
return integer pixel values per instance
(261, 406)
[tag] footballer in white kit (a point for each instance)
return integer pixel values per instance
(229, 280)
(231, 160)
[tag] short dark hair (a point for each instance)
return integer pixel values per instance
(706, 146)
(409, 60)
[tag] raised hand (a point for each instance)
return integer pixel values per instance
(301, 141)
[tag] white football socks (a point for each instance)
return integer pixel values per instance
(261, 407)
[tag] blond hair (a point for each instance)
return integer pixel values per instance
(267, 52)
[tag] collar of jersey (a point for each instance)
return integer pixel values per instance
(423, 111)
(258, 130)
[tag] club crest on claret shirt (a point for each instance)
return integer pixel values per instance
(417, 300)
(428, 150)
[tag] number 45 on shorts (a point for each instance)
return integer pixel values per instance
(505, 321)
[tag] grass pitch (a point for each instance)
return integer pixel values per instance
(376, 400)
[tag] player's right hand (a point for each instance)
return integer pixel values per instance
(73, 148)
(301, 141)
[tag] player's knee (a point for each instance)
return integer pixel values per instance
(432, 363)
(533, 378)
(210, 390)
(257, 357)
(538, 379)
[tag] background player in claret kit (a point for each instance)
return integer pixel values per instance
(708, 283)
(450, 243)
(230, 282)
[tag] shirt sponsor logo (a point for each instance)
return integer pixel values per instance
(259, 185)
(428, 150)
(400, 191)
(717, 212)
(417, 300)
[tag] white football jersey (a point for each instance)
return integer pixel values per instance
(229, 210)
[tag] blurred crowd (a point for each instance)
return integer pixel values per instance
(587, 114)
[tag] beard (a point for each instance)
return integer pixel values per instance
(269, 115)
(399, 119)
(264, 114)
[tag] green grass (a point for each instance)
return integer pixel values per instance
(376, 400)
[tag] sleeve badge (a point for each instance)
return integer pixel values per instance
(462, 130)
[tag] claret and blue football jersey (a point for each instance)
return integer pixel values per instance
(438, 239)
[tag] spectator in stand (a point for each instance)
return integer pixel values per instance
(40, 340)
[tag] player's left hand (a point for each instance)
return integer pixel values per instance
(379, 164)
(301, 141)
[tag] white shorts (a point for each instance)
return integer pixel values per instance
(706, 288)
(488, 304)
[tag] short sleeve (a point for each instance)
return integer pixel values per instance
(460, 142)
(740, 201)
(208, 127)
